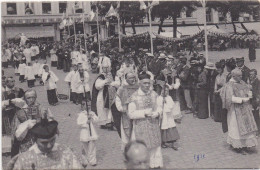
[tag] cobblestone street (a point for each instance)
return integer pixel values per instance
(202, 143)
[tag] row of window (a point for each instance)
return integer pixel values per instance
(46, 8)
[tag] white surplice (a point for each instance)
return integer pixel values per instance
(72, 79)
(29, 73)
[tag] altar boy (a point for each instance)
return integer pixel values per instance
(88, 135)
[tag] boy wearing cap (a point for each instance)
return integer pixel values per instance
(88, 135)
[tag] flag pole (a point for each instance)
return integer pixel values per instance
(98, 32)
(205, 31)
(74, 27)
(119, 32)
(84, 31)
(150, 22)
(203, 2)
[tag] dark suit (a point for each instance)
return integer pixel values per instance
(255, 101)
(245, 73)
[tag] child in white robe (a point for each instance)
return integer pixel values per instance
(88, 135)
(36, 68)
(21, 71)
(29, 75)
(166, 109)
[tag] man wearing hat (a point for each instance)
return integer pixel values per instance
(142, 109)
(67, 59)
(46, 153)
(159, 65)
(245, 70)
(184, 74)
(242, 127)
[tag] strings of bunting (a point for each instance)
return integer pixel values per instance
(171, 39)
(235, 36)
(246, 37)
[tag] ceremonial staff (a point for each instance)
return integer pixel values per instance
(84, 96)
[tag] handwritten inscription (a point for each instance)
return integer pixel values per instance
(198, 157)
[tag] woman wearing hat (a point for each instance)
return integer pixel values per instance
(219, 83)
(202, 95)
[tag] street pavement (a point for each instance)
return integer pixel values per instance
(202, 142)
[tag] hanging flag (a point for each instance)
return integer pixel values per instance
(63, 16)
(111, 12)
(118, 5)
(63, 24)
(91, 15)
(142, 5)
(69, 22)
(154, 3)
(82, 18)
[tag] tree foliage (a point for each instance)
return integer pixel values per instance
(235, 8)
(129, 11)
(171, 9)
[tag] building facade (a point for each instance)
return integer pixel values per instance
(42, 19)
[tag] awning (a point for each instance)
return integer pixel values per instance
(168, 31)
(30, 32)
(253, 26)
(228, 28)
(188, 30)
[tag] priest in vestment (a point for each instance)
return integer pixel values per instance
(46, 153)
(122, 100)
(102, 95)
(142, 109)
(242, 127)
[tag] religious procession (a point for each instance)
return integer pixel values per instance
(142, 101)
